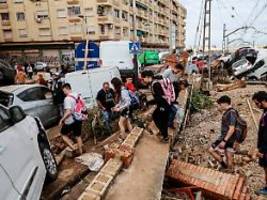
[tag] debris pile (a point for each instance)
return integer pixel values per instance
(204, 128)
(215, 185)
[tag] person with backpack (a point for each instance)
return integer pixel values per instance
(71, 122)
(123, 103)
(173, 74)
(260, 100)
(233, 130)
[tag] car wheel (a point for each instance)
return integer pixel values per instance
(49, 161)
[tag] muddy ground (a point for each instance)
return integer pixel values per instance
(204, 128)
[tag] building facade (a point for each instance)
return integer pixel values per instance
(153, 22)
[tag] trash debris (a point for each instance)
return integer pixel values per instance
(94, 161)
(227, 87)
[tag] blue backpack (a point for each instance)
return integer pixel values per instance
(135, 102)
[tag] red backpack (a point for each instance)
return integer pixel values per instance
(80, 111)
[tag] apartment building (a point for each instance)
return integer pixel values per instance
(153, 22)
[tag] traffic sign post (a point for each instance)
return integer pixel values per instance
(91, 60)
(134, 47)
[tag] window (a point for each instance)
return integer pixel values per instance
(42, 15)
(117, 13)
(23, 33)
(125, 32)
(91, 30)
(258, 65)
(7, 34)
(4, 16)
(4, 119)
(20, 16)
(6, 99)
(74, 11)
(124, 16)
(117, 30)
(102, 29)
(44, 32)
(76, 28)
(35, 94)
(61, 13)
(63, 30)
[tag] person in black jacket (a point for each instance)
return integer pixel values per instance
(161, 114)
(260, 99)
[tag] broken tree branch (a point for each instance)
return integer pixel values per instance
(252, 114)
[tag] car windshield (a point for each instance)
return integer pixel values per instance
(239, 63)
(258, 65)
(6, 99)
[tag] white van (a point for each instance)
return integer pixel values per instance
(89, 82)
(259, 70)
(117, 54)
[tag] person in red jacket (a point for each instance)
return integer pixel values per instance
(129, 84)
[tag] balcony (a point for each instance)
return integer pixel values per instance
(106, 36)
(108, 2)
(76, 37)
(3, 6)
(74, 19)
(108, 19)
(73, 2)
(6, 23)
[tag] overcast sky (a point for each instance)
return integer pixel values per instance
(235, 14)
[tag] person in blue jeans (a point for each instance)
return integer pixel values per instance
(260, 100)
(105, 101)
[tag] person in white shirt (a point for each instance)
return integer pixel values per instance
(68, 124)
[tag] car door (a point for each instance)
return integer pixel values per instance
(16, 157)
(38, 101)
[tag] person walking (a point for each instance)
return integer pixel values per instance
(29, 71)
(228, 136)
(123, 103)
(59, 97)
(173, 73)
(260, 100)
(161, 113)
(69, 125)
(105, 101)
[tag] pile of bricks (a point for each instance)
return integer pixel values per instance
(116, 159)
(214, 184)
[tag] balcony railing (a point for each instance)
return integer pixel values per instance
(108, 2)
(108, 19)
(6, 23)
(3, 5)
(74, 19)
(72, 2)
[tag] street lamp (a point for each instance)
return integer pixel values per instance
(84, 18)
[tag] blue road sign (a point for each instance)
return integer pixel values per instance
(134, 47)
(92, 57)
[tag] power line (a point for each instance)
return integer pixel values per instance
(199, 23)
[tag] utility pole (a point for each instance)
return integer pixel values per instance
(134, 20)
(223, 43)
(207, 31)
